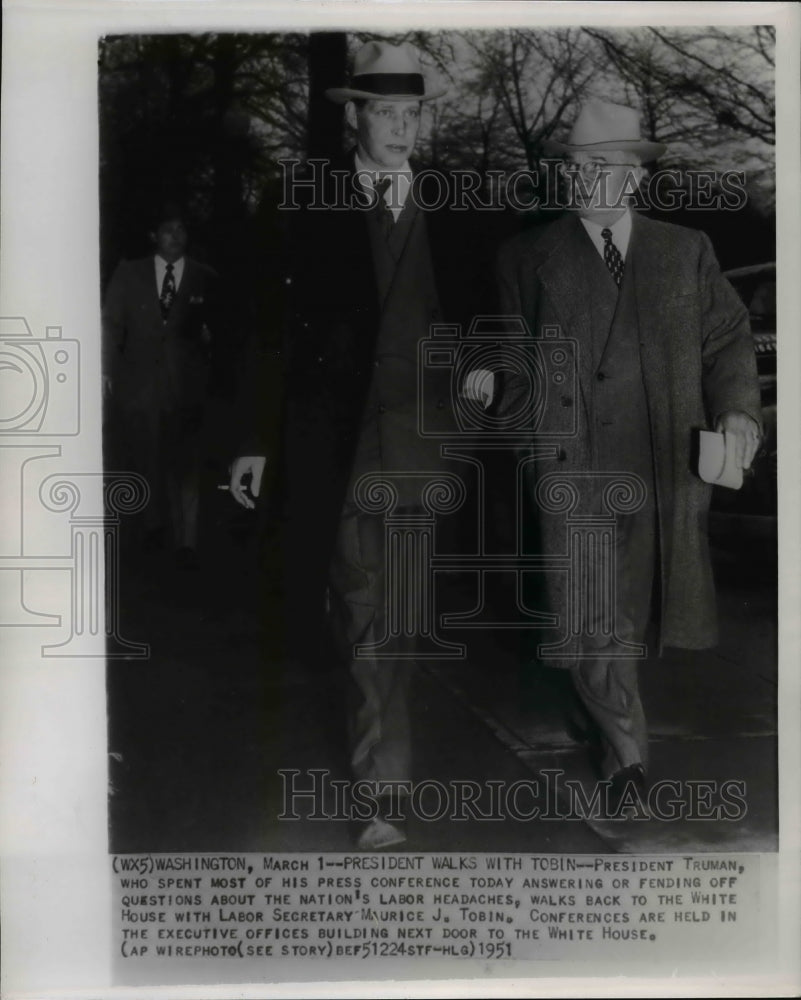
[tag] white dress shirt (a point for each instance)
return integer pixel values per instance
(621, 233)
(398, 191)
(161, 270)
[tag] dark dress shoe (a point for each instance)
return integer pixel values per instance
(389, 828)
(627, 789)
(379, 834)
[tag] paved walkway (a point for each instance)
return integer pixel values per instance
(200, 731)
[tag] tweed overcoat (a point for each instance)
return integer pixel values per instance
(697, 362)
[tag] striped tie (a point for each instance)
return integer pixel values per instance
(167, 292)
(612, 257)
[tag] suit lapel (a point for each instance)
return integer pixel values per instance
(401, 236)
(564, 280)
(186, 290)
(146, 273)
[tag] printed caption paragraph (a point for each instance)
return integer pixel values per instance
(259, 910)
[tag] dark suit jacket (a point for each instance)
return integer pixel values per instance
(330, 318)
(697, 362)
(153, 364)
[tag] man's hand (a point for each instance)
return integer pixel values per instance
(252, 464)
(745, 433)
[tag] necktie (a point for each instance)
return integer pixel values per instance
(386, 219)
(612, 257)
(167, 292)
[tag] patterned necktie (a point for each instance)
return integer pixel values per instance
(612, 257)
(167, 292)
(386, 219)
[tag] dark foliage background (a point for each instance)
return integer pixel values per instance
(205, 118)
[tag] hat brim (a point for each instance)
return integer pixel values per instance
(647, 151)
(341, 95)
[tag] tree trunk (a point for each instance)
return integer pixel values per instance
(328, 52)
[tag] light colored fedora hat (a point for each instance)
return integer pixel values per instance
(601, 126)
(385, 72)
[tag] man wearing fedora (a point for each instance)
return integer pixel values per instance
(664, 348)
(370, 272)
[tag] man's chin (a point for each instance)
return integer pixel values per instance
(395, 158)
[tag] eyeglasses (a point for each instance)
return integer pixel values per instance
(592, 167)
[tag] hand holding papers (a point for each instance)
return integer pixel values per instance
(717, 462)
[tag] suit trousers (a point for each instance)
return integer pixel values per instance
(378, 697)
(164, 447)
(607, 685)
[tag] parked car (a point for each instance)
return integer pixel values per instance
(752, 509)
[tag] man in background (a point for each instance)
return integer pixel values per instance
(156, 340)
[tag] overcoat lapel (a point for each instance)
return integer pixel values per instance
(351, 259)
(406, 222)
(649, 272)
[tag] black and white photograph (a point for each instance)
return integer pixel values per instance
(402, 550)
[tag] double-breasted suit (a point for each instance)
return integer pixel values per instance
(358, 301)
(664, 355)
(158, 370)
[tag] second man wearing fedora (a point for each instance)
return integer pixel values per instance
(664, 349)
(364, 287)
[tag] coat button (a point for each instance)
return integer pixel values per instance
(381, 408)
(567, 401)
(600, 376)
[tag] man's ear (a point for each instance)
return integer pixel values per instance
(350, 114)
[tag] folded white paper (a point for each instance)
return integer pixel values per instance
(480, 386)
(716, 460)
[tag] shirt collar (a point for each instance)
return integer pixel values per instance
(163, 263)
(620, 227)
(396, 194)
(621, 232)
